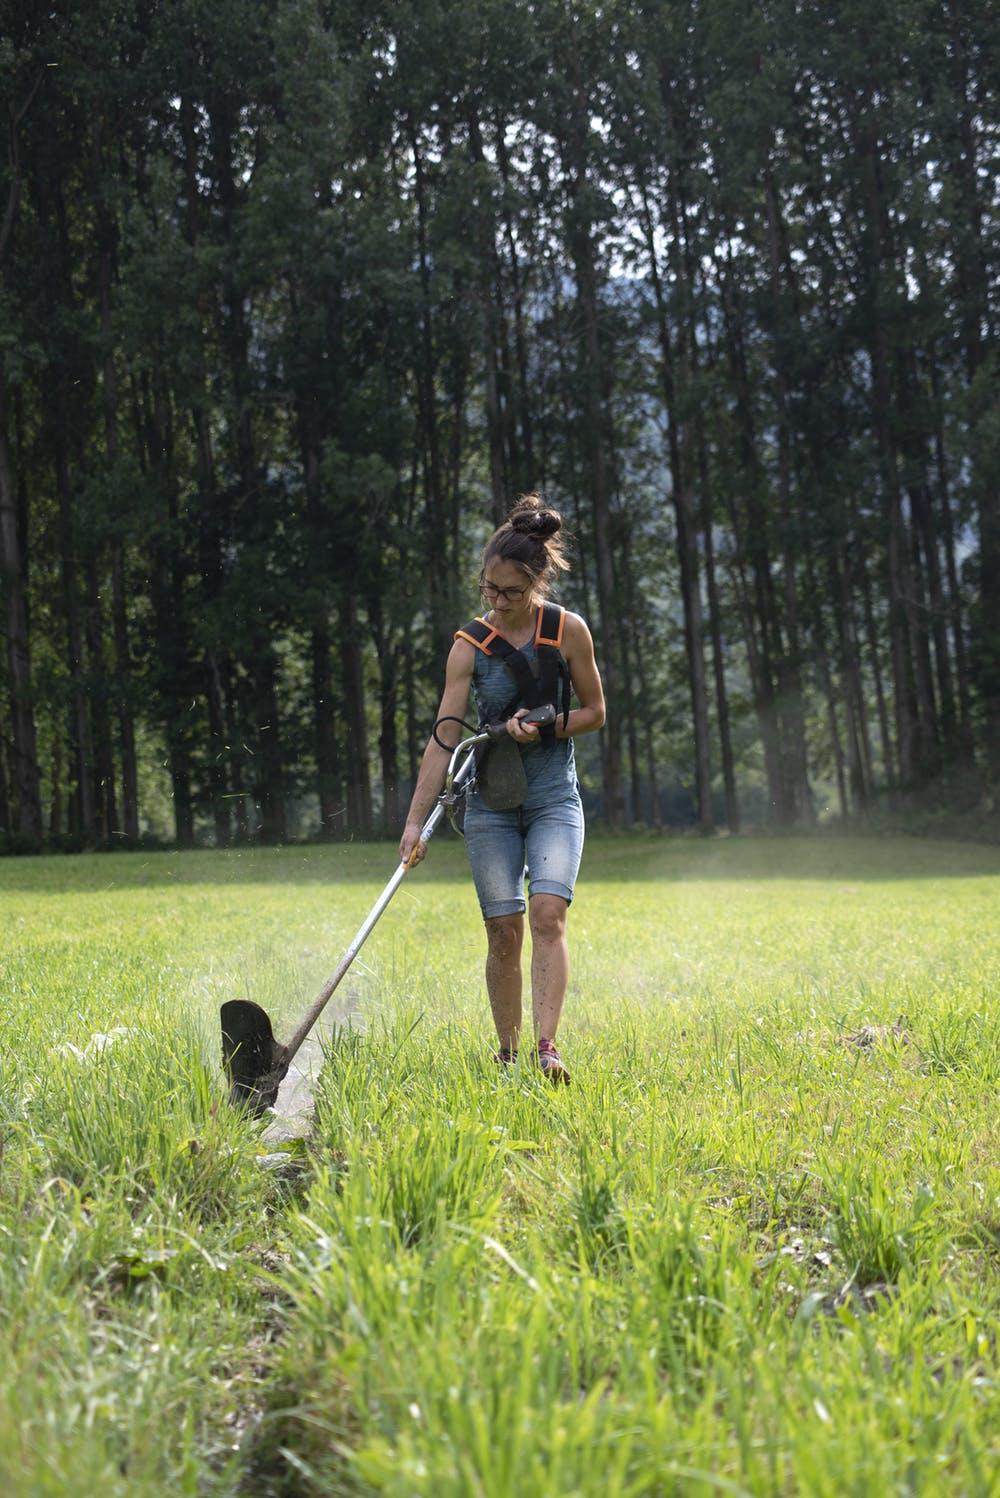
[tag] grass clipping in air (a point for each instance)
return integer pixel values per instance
(753, 1248)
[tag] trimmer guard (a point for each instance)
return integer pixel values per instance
(255, 1063)
(500, 777)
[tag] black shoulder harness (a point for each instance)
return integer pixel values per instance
(549, 682)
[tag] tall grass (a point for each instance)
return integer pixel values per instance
(739, 1254)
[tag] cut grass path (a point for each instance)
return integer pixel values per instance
(739, 1254)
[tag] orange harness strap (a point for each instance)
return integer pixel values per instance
(549, 628)
(550, 625)
(482, 638)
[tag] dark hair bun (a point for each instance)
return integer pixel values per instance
(531, 519)
(529, 538)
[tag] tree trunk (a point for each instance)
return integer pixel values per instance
(686, 531)
(436, 530)
(222, 756)
(790, 677)
(269, 759)
(876, 256)
(328, 776)
(56, 786)
(838, 752)
(579, 235)
(237, 756)
(388, 742)
(677, 369)
(643, 709)
(954, 611)
(826, 677)
(526, 478)
(82, 804)
(718, 659)
(970, 247)
(388, 746)
(859, 761)
(631, 737)
(733, 818)
(269, 762)
(918, 613)
(753, 545)
(211, 534)
(987, 656)
(889, 763)
(387, 655)
(105, 800)
(926, 536)
(25, 776)
(410, 701)
(359, 796)
(760, 684)
(126, 722)
(215, 663)
(498, 417)
(166, 585)
(6, 816)
(107, 238)
(63, 416)
(453, 498)
(971, 254)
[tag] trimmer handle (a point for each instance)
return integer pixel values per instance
(541, 717)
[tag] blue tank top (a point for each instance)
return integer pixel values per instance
(550, 770)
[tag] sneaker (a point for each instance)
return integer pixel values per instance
(551, 1062)
(505, 1056)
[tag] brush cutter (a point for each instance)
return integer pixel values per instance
(255, 1062)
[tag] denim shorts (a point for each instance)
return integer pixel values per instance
(544, 842)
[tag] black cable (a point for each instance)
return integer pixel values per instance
(448, 718)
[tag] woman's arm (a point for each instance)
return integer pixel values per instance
(578, 648)
(454, 702)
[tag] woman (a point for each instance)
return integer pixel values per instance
(520, 561)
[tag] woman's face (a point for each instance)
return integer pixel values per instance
(507, 589)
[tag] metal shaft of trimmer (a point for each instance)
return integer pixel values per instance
(456, 779)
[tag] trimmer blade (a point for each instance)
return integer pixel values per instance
(255, 1063)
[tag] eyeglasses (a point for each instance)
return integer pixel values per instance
(510, 595)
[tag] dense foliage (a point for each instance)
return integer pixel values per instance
(295, 298)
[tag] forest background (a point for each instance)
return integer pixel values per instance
(297, 297)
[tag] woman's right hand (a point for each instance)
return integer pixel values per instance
(411, 849)
(522, 733)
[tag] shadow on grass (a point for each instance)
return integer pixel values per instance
(627, 858)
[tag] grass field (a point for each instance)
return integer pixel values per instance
(741, 1253)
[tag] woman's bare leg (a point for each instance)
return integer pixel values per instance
(505, 935)
(549, 962)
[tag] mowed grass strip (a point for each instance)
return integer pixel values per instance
(753, 1247)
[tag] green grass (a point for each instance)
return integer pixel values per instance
(738, 1254)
